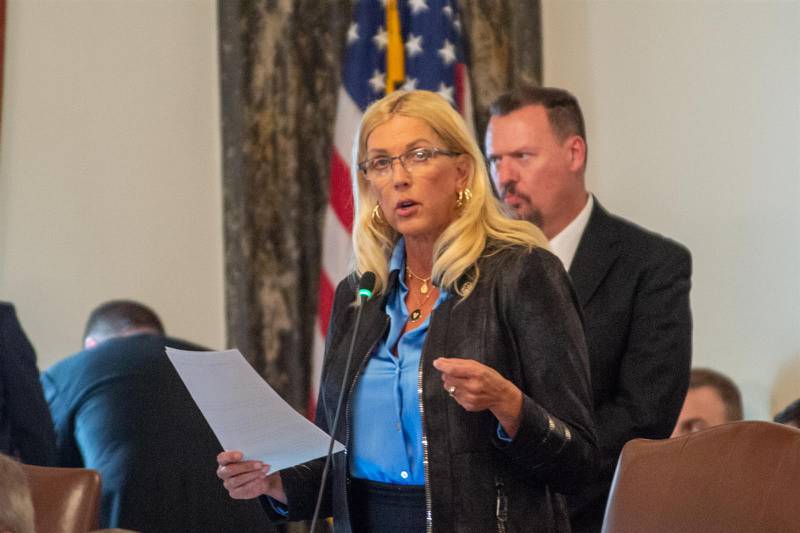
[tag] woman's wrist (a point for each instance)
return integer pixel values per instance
(509, 410)
(274, 488)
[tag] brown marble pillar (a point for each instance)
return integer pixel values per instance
(504, 42)
(279, 68)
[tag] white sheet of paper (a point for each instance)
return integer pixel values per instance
(245, 413)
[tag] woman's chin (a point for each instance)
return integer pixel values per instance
(417, 230)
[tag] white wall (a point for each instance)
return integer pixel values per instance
(693, 117)
(110, 166)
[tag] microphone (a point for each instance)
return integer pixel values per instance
(365, 286)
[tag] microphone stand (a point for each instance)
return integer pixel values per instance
(365, 286)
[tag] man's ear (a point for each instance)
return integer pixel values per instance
(577, 152)
(89, 342)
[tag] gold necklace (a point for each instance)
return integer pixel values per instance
(424, 288)
(416, 314)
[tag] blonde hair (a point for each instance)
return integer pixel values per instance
(481, 222)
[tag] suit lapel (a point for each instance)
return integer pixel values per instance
(596, 252)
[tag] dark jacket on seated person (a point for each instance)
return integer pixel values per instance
(26, 430)
(121, 409)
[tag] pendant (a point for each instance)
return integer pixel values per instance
(415, 314)
(424, 288)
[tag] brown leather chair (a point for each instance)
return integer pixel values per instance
(65, 500)
(738, 477)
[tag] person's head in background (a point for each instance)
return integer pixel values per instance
(16, 506)
(790, 416)
(537, 150)
(120, 318)
(712, 399)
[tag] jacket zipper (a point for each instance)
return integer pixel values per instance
(501, 511)
(348, 418)
(428, 498)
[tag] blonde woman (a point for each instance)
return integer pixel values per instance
(468, 406)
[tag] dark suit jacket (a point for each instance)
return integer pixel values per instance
(633, 286)
(121, 408)
(25, 426)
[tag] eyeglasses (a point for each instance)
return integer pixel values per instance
(379, 169)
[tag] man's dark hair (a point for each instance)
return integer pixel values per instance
(563, 110)
(116, 317)
(790, 415)
(725, 387)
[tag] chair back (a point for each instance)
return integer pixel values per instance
(65, 500)
(743, 477)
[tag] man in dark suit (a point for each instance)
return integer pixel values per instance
(119, 407)
(633, 284)
(26, 430)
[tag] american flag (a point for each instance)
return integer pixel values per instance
(413, 44)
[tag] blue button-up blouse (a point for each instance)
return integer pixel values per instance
(387, 426)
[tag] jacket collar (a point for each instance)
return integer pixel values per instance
(373, 321)
(596, 252)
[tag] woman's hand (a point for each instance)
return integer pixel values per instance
(248, 479)
(477, 387)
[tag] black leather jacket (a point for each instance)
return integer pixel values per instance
(521, 318)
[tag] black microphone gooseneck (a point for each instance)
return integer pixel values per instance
(365, 286)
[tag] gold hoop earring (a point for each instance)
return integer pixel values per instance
(377, 216)
(464, 196)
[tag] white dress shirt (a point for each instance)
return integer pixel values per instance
(565, 244)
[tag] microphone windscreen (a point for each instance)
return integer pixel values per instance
(366, 284)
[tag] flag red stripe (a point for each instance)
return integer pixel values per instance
(341, 198)
(325, 302)
(459, 83)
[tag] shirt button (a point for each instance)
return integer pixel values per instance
(404, 474)
(397, 426)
